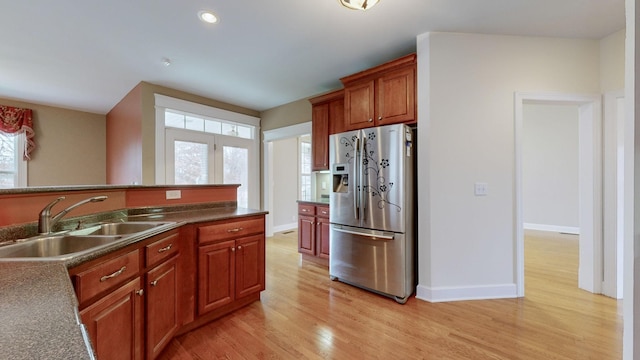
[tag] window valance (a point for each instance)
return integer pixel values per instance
(15, 120)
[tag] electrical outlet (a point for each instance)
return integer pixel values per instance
(481, 189)
(174, 194)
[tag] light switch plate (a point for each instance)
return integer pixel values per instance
(481, 189)
(174, 194)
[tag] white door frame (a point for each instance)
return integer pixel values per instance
(269, 137)
(614, 153)
(590, 172)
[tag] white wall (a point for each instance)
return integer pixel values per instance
(612, 62)
(631, 166)
(466, 86)
(550, 182)
(285, 184)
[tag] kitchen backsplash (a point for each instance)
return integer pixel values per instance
(323, 184)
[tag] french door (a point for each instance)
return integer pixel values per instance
(202, 158)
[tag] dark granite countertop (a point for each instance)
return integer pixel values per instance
(39, 317)
(316, 201)
(39, 313)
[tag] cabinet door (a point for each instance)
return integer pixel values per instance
(306, 241)
(115, 323)
(336, 116)
(322, 237)
(216, 275)
(320, 137)
(396, 97)
(162, 306)
(359, 105)
(249, 265)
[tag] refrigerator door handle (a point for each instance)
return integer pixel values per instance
(356, 183)
(384, 236)
(364, 179)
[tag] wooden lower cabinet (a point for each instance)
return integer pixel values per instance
(322, 236)
(115, 323)
(313, 232)
(216, 280)
(306, 234)
(162, 306)
(137, 299)
(229, 269)
(250, 265)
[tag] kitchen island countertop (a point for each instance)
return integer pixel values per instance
(315, 201)
(39, 315)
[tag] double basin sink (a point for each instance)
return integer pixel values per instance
(62, 246)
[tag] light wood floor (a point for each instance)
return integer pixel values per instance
(304, 315)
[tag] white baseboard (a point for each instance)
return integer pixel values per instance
(450, 293)
(284, 227)
(553, 228)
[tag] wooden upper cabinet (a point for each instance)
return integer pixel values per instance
(336, 115)
(382, 95)
(359, 102)
(396, 97)
(327, 118)
(320, 137)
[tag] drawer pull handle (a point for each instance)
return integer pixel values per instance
(154, 283)
(304, 210)
(235, 230)
(324, 212)
(166, 248)
(140, 292)
(107, 277)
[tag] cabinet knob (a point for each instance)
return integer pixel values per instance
(154, 283)
(233, 249)
(239, 247)
(140, 292)
(370, 120)
(379, 117)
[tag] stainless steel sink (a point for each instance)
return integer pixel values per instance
(55, 246)
(120, 228)
(66, 245)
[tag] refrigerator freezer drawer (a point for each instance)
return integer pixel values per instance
(378, 261)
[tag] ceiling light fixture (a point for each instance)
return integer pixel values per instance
(207, 16)
(165, 61)
(359, 4)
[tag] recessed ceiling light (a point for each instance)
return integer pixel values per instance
(165, 61)
(207, 16)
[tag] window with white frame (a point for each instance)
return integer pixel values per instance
(305, 170)
(13, 168)
(198, 144)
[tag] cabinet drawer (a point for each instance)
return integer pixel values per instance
(322, 211)
(107, 275)
(161, 249)
(306, 209)
(230, 229)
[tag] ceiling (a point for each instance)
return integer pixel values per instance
(87, 55)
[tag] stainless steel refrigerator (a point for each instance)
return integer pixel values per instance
(372, 237)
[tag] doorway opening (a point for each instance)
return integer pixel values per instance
(590, 270)
(271, 136)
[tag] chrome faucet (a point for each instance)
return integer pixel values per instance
(46, 222)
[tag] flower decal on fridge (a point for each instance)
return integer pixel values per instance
(373, 169)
